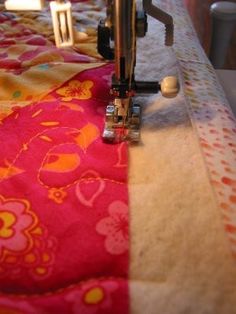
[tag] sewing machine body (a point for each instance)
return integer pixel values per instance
(117, 35)
(122, 117)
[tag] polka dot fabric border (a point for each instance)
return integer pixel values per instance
(210, 114)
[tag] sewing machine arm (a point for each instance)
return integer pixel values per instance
(120, 28)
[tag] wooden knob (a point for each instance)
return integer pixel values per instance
(169, 87)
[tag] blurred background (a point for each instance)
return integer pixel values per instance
(199, 11)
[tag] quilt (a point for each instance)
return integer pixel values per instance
(89, 227)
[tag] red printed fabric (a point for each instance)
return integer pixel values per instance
(64, 244)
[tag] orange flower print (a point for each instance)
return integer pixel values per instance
(57, 195)
(93, 296)
(76, 90)
(16, 221)
(115, 228)
(7, 221)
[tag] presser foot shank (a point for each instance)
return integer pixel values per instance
(122, 122)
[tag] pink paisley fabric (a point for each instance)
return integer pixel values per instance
(64, 242)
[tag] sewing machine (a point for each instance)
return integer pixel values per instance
(116, 41)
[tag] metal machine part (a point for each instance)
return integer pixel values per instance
(61, 17)
(122, 121)
(62, 23)
(121, 26)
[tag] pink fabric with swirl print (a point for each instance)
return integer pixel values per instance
(63, 192)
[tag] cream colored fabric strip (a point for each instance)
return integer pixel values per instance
(181, 260)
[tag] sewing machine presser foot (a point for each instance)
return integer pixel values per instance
(122, 124)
